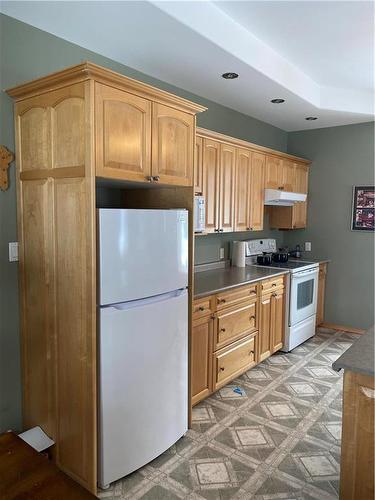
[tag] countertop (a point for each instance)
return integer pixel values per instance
(217, 280)
(360, 356)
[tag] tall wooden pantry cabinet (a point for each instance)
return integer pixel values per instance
(72, 128)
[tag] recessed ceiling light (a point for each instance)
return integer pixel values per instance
(229, 76)
(277, 101)
(311, 118)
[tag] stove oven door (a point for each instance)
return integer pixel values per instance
(303, 295)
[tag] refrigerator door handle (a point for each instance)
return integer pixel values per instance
(122, 306)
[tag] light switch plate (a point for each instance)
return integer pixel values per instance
(221, 253)
(13, 251)
(308, 246)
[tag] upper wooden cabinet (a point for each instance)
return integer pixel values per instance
(288, 175)
(198, 166)
(123, 134)
(257, 192)
(211, 158)
(226, 190)
(173, 138)
(274, 173)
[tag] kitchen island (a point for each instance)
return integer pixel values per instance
(357, 444)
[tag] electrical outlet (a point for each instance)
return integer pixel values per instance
(308, 246)
(221, 253)
(13, 251)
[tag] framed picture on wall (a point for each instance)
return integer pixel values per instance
(363, 209)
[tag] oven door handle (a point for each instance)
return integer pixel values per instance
(305, 273)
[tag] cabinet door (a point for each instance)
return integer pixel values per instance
(274, 173)
(301, 178)
(201, 359)
(123, 134)
(321, 293)
(299, 215)
(211, 151)
(172, 145)
(289, 174)
(277, 320)
(257, 192)
(242, 197)
(198, 166)
(227, 181)
(265, 342)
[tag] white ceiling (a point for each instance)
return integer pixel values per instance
(318, 56)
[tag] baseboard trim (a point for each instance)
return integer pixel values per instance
(342, 328)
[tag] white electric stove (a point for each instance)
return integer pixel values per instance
(301, 292)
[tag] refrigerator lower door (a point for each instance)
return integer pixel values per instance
(142, 253)
(143, 382)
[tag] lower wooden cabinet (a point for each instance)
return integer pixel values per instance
(201, 358)
(357, 444)
(235, 322)
(234, 360)
(271, 327)
(321, 293)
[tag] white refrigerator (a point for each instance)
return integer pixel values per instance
(143, 350)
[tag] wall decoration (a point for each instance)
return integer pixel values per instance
(6, 157)
(363, 209)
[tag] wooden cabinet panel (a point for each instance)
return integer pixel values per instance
(236, 296)
(75, 331)
(36, 306)
(277, 316)
(123, 134)
(201, 358)
(211, 183)
(233, 323)
(301, 178)
(321, 293)
(227, 182)
(242, 197)
(289, 175)
(234, 360)
(68, 133)
(172, 145)
(357, 444)
(202, 307)
(294, 217)
(34, 138)
(272, 284)
(198, 166)
(257, 192)
(274, 173)
(299, 215)
(265, 327)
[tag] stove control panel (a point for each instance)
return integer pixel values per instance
(256, 247)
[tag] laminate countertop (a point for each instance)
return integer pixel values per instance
(360, 356)
(218, 280)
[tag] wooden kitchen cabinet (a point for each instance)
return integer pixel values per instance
(201, 358)
(289, 175)
(123, 134)
(271, 327)
(321, 293)
(211, 158)
(235, 322)
(273, 178)
(227, 177)
(257, 191)
(198, 166)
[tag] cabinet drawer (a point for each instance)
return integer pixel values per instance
(234, 323)
(231, 362)
(272, 284)
(236, 296)
(202, 307)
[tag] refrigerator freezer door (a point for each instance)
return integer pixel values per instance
(142, 253)
(143, 382)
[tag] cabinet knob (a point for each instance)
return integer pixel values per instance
(156, 178)
(281, 187)
(253, 292)
(222, 329)
(274, 295)
(251, 352)
(212, 316)
(221, 230)
(222, 368)
(221, 301)
(201, 308)
(149, 178)
(216, 230)
(273, 284)
(252, 317)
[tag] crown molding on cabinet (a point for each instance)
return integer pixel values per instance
(90, 71)
(209, 134)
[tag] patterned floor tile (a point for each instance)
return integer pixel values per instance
(273, 433)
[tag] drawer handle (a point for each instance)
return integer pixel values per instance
(222, 368)
(274, 295)
(253, 292)
(221, 301)
(252, 317)
(273, 284)
(201, 308)
(222, 329)
(251, 352)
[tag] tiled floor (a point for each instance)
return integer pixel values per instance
(276, 438)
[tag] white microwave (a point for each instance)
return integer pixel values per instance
(199, 214)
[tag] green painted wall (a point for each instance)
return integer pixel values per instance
(27, 53)
(342, 157)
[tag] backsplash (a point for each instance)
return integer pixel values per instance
(207, 248)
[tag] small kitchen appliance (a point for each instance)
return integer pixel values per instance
(301, 292)
(143, 337)
(199, 214)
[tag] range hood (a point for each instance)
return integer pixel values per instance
(281, 198)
